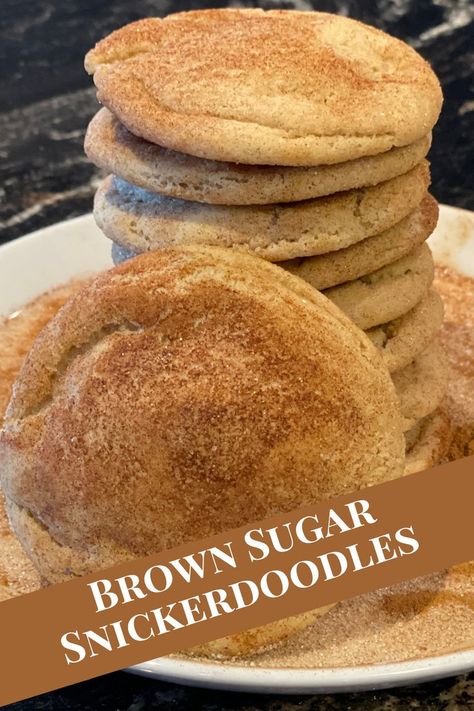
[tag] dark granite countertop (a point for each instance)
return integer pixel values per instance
(46, 101)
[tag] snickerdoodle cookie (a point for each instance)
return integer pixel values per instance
(142, 221)
(389, 292)
(113, 148)
(262, 378)
(368, 255)
(400, 341)
(422, 385)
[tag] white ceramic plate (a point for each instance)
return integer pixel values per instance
(52, 256)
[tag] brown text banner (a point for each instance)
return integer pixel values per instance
(243, 578)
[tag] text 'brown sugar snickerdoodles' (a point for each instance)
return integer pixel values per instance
(173, 380)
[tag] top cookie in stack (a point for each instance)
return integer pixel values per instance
(266, 109)
(300, 136)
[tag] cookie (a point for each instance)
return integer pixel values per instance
(142, 221)
(113, 148)
(278, 87)
(428, 441)
(422, 385)
(388, 293)
(366, 256)
(400, 341)
(121, 254)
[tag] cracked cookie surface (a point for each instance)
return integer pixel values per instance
(277, 87)
(235, 375)
(141, 221)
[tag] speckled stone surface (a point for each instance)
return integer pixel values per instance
(123, 692)
(46, 101)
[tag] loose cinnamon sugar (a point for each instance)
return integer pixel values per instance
(420, 618)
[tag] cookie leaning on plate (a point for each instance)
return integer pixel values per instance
(142, 221)
(110, 146)
(278, 87)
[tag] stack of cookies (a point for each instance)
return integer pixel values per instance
(301, 137)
